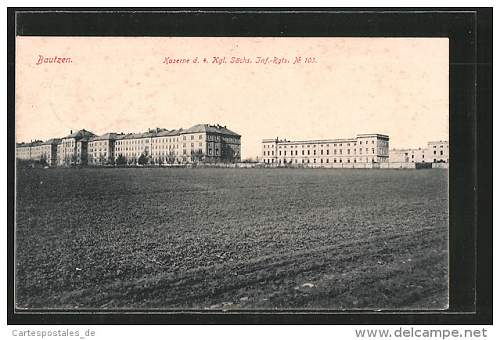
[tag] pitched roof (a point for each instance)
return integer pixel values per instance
(378, 135)
(137, 135)
(81, 134)
(84, 135)
(152, 133)
(168, 133)
(211, 128)
(108, 136)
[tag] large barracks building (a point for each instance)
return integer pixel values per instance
(360, 151)
(202, 142)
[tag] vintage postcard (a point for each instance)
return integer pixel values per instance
(231, 173)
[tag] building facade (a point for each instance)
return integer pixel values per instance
(45, 152)
(73, 148)
(101, 149)
(438, 152)
(362, 149)
(435, 152)
(23, 151)
(200, 143)
(407, 155)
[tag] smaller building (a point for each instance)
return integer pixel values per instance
(44, 152)
(47, 151)
(436, 152)
(23, 151)
(407, 155)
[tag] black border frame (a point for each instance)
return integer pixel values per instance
(471, 135)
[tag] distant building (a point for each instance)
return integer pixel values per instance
(39, 151)
(436, 152)
(47, 151)
(200, 143)
(23, 150)
(407, 155)
(362, 149)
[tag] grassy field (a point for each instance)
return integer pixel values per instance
(225, 239)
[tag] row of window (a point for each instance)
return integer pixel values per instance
(132, 141)
(291, 153)
(192, 137)
(270, 146)
(97, 143)
(164, 147)
(158, 140)
(318, 161)
(100, 154)
(132, 148)
(184, 152)
(96, 150)
(216, 152)
(435, 153)
(137, 151)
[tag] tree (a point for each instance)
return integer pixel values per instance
(227, 153)
(84, 158)
(143, 159)
(102, 159)
(197, 156)
(121, 160)
(250, 160)
(73, 159)
(171, 157)
(43, 159)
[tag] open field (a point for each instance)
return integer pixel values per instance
(231, 238)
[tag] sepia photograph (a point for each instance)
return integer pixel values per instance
(231, 173)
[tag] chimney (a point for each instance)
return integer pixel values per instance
(70, 132)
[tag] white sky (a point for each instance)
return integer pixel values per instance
(396, 86)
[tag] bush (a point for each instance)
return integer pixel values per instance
(143, 160)
(121, 160)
